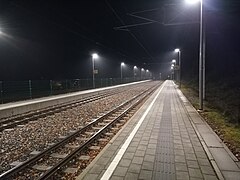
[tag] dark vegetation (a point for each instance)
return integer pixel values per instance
(221, 110)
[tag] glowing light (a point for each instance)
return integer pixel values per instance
(122, 64)
(173, 61)
(135, 67)
(177, 50)
(192, 1)
(94, 55)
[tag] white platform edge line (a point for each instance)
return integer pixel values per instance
(108, 173)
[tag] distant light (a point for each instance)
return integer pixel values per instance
(135, 67)
(172, 65)
(122, 64)
(94, 55)
(177, 50)
(173, 61)
(142, 69)
(192, 1)
(147, 70)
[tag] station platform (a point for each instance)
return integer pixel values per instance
(20, 107)
(165, 139)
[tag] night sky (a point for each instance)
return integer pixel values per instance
(54, 39)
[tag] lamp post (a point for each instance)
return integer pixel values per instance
(94, 56)
(179, 65)
(142, 71)
(173, 68)
(147, 73)
(122, 64)
(134, 72)
(201, 54)
(172, 73)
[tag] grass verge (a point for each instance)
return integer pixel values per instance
(218, 121)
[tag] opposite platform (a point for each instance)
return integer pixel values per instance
(165, 139)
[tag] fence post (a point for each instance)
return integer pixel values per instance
(66, 85)
(51, 87)
(1, 91)
(30, 88)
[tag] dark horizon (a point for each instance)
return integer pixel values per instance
(54, 40)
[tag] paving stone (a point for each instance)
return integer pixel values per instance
(116, 178)
(223, 160)
(96, 169)
(191, 156)
(91, 177)
(151, 151)
(133, 144)
(142, 147)
(145, 174)
(140, 153)
(131, 176)
(131, 149)
(152, 146)
(143, 143)
(193, 178)
(180, 159)
(201, 154)
(178, 147)
(134, 168)
(181, 167)
(128, 155)
(192, 164)
(209, 177)
(137, 160)
(147, 165)
(179, 152)
(182, 175)
(195, 173)
(108, 153)
(203, 162)
(125, 162)
(120, 171)
(149, 158)
(103, 160)
(207, 170)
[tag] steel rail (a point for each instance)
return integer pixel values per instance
(10, 173)
(86, 144)
(51, 110)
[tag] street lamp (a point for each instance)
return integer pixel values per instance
(179, 65)
(142, 71)
(134, 71)
(201, 54)
(122, 64)
(94, 56)
(147, 73)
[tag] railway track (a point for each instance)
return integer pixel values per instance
(11, 122)
(66, 158)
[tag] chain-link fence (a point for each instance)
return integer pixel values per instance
(21, 90)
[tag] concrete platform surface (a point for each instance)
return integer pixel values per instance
(165, 139)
